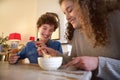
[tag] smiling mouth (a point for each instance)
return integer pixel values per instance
(71, 21)
(45, 37)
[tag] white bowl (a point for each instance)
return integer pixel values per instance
(52, 63)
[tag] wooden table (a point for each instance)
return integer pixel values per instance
(34, 72)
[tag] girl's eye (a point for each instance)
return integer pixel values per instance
(69, 10)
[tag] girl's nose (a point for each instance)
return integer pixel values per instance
(67, 17)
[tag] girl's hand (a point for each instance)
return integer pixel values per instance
(84, 63)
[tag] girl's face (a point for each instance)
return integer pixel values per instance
(71, 10)
(45, 32)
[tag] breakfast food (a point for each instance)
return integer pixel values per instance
(45, 55)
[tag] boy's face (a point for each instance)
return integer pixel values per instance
(45, 31)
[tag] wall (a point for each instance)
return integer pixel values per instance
(18, 16)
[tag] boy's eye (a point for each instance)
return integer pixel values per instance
(45, 28)
(51, 30)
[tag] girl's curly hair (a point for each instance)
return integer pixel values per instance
(98, 11)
